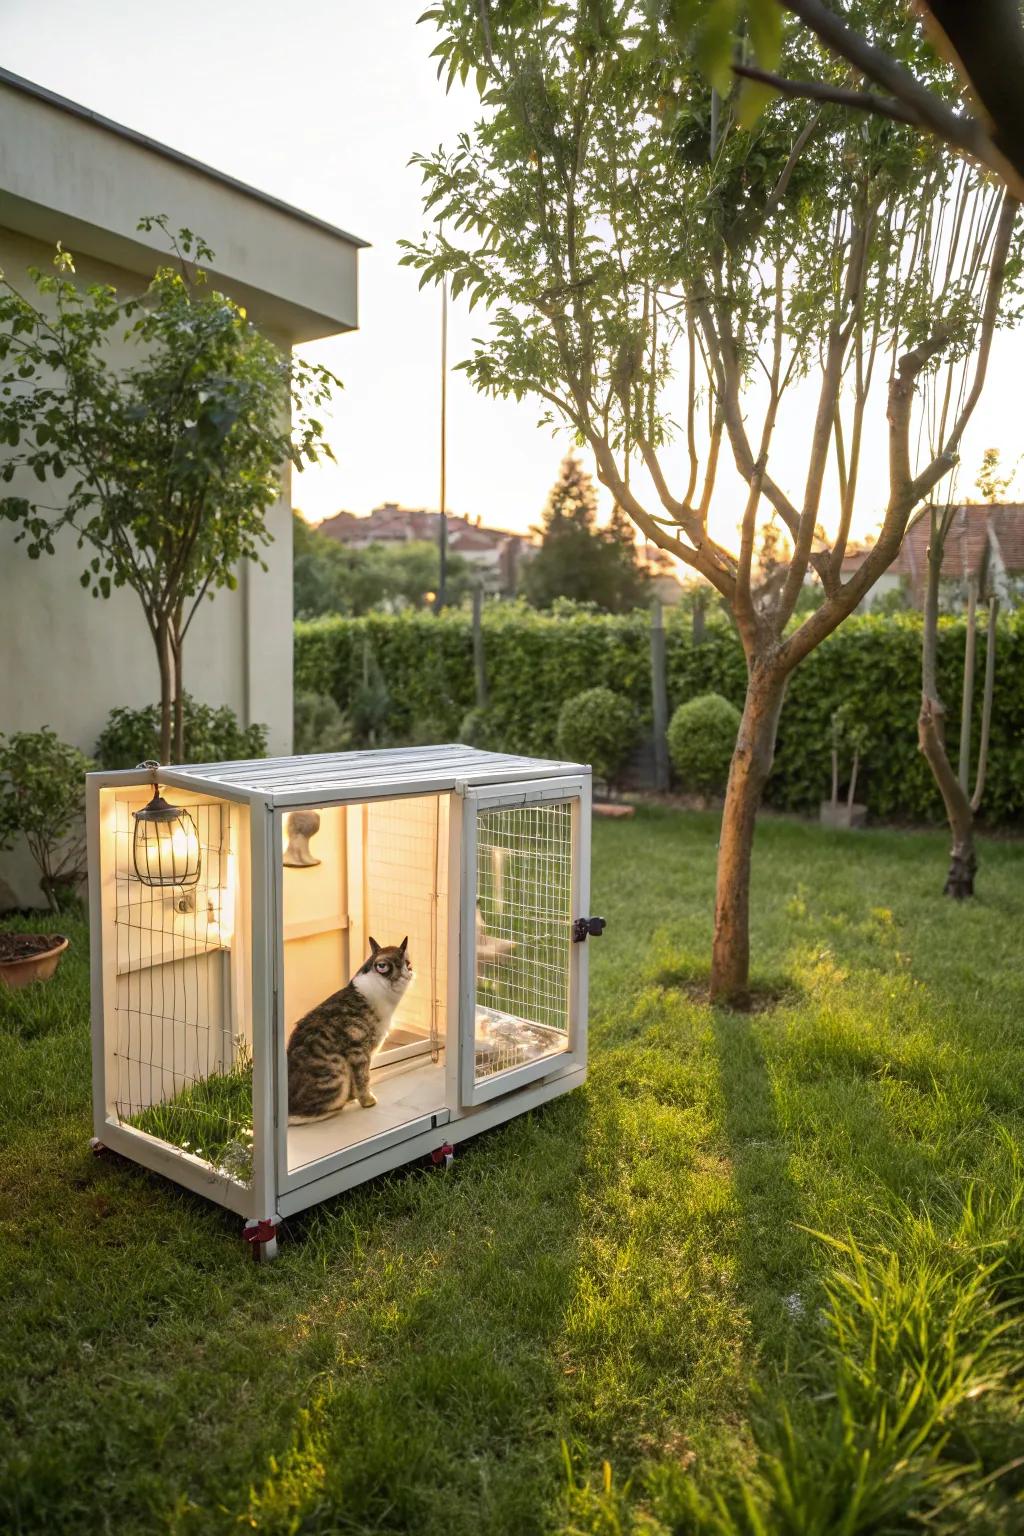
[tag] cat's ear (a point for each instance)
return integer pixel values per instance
(374, 946)
(403, 945)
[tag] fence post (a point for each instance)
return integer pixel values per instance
(700, 599)
(478, 647)
(659, 698)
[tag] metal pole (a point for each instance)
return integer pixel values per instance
(478, 647)
(442, 527)
(659, 698)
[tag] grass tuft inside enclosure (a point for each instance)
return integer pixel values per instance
(211, 1118)
(763, 1274)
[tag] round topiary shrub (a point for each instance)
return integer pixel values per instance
(597, 727)
(701, 738)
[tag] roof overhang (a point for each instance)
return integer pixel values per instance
(68, 174)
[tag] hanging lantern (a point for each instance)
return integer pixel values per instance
(165, 848)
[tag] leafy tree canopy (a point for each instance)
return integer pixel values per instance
(163, 469)
(650, 241)
(330, 577)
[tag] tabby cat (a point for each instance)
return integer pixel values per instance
(330, 1048)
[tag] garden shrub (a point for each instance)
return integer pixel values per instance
(482, 728)
(42, 798)
(318, 724)
(212, 735)
(701, 737)
(597, 727)
(536, 661)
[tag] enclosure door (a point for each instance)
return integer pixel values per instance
(525, 878)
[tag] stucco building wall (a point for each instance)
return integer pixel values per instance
(67, 658)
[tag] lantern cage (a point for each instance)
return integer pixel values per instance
(165, 845)
(481, 858)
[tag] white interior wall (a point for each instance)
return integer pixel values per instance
(383, 871)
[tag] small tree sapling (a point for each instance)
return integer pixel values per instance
(849, 737)
(165, 469)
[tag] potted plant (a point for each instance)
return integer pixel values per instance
(42, 798)
(852, 736)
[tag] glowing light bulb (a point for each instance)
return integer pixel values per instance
(166, 847)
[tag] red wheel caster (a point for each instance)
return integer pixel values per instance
(262, 1238)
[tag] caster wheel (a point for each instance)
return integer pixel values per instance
(262, 1239)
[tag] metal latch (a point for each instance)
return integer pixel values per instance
(588, 927)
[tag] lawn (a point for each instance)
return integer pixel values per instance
(762, 1274)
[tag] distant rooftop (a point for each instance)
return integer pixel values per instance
(982, 536)
(390, 523)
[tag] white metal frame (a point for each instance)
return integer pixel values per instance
(137, 1145)
(470, 1106)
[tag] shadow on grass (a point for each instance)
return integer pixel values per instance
(767, 991)
(773, 1255)
(446, 1294)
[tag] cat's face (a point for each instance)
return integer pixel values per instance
(389, 965)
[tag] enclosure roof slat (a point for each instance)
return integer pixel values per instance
(398, 770)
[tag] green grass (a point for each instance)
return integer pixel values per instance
(211, 1118)
(763, 1274)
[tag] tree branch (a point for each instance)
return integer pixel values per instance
(814, 90)
(963, 133)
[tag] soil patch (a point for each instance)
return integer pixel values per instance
(24, 946)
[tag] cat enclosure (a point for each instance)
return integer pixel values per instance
(229, 900)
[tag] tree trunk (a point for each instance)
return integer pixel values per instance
(963, 863)
(176, 649)
(967, 695)
(751, 764)
(986, 701)
(931, 735)
(163, 655)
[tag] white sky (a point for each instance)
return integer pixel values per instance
(321, 102)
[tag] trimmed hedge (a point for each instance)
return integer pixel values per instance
(536, 661)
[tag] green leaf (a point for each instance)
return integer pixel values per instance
(681, 20)
(752, 98)
(715, 43)
(765, 19)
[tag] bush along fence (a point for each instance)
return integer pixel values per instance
(411, 678)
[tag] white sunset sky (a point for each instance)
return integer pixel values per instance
(321, 103)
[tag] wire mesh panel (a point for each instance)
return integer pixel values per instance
(523, 935)
(181, 1059)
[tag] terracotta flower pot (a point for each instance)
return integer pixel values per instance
(37, 962)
